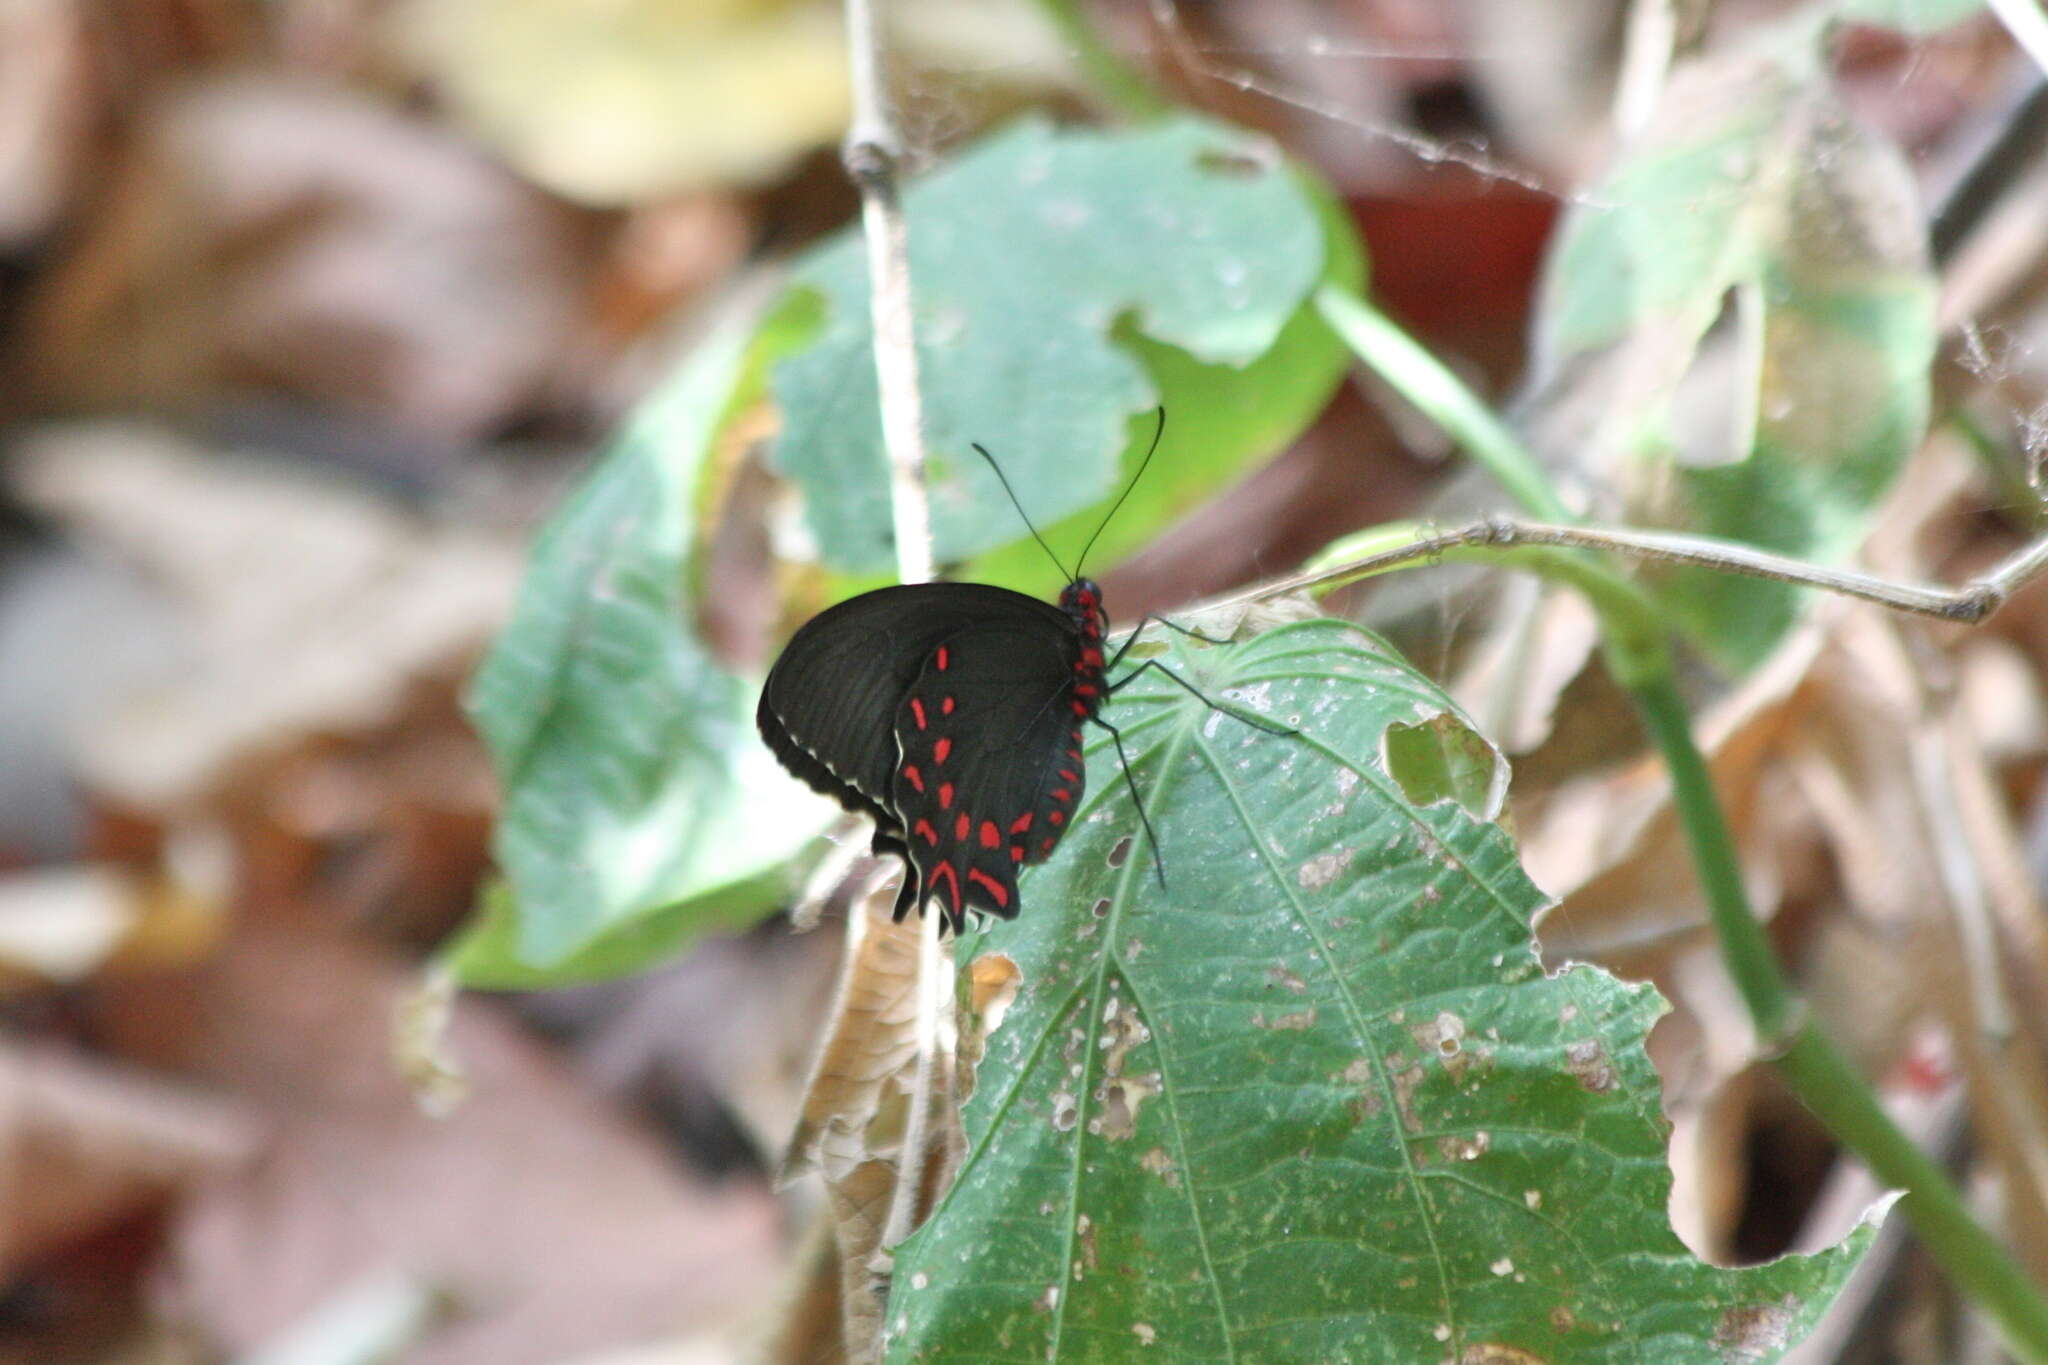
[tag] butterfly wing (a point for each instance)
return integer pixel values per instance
(830, 706)
(987, 744)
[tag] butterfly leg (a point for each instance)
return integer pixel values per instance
(1147, 619)
(1123, 760)
(1199, 696)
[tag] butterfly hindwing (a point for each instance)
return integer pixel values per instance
(982, 735)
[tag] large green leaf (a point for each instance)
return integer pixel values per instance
(1909, 16)
(1736, 330)
(633, 781)
(1066, 282)
(1316, 1101)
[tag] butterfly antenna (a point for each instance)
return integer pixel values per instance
(1152, 450)
(982, 450)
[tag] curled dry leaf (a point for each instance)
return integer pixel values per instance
(857, 1110)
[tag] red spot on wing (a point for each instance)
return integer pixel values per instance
(1080, 708)
(1016, 853)
(914, 777)
(1062, 794)
(917, 712)
(1021, 823)
(945, 796)
(1045, 844)
(941, 749)
(923, 830)
(961, 826)
(990, 835)
(996, 890)
(1058, 817)
(944, 873)
(943, 659)
(946, 706)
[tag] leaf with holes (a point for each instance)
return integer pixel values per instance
(1067, 282)
(1315, 1101)
(1736, 329)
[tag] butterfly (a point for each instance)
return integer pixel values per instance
(950, 714)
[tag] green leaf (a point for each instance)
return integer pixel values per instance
(485, 955)
(1316, 1101)
(1066, 282)
(1909, 16)
(632, 778)
(1736, 330)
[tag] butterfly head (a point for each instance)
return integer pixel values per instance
(1082, 600)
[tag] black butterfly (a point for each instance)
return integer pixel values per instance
(951, 714)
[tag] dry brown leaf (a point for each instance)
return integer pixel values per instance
(633, 102)
(63, 924)
(857, 1111)
(304, 237)
(84, 1144)
(854, 1107)
(45, 112)
(303, 606)
(555, 1227)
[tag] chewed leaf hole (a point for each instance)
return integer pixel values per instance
(1444, 759)
(1120, 852)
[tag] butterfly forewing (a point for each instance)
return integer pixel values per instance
(836, 702)
(980, 736)
(826, 705)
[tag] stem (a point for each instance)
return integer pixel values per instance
(872, 153)
(1425, 381)
(1744, 946)
(1119, 83)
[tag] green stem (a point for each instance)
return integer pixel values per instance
(1427, 383)
(1744, 946)
(1816, 1070)
(1115, 79)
